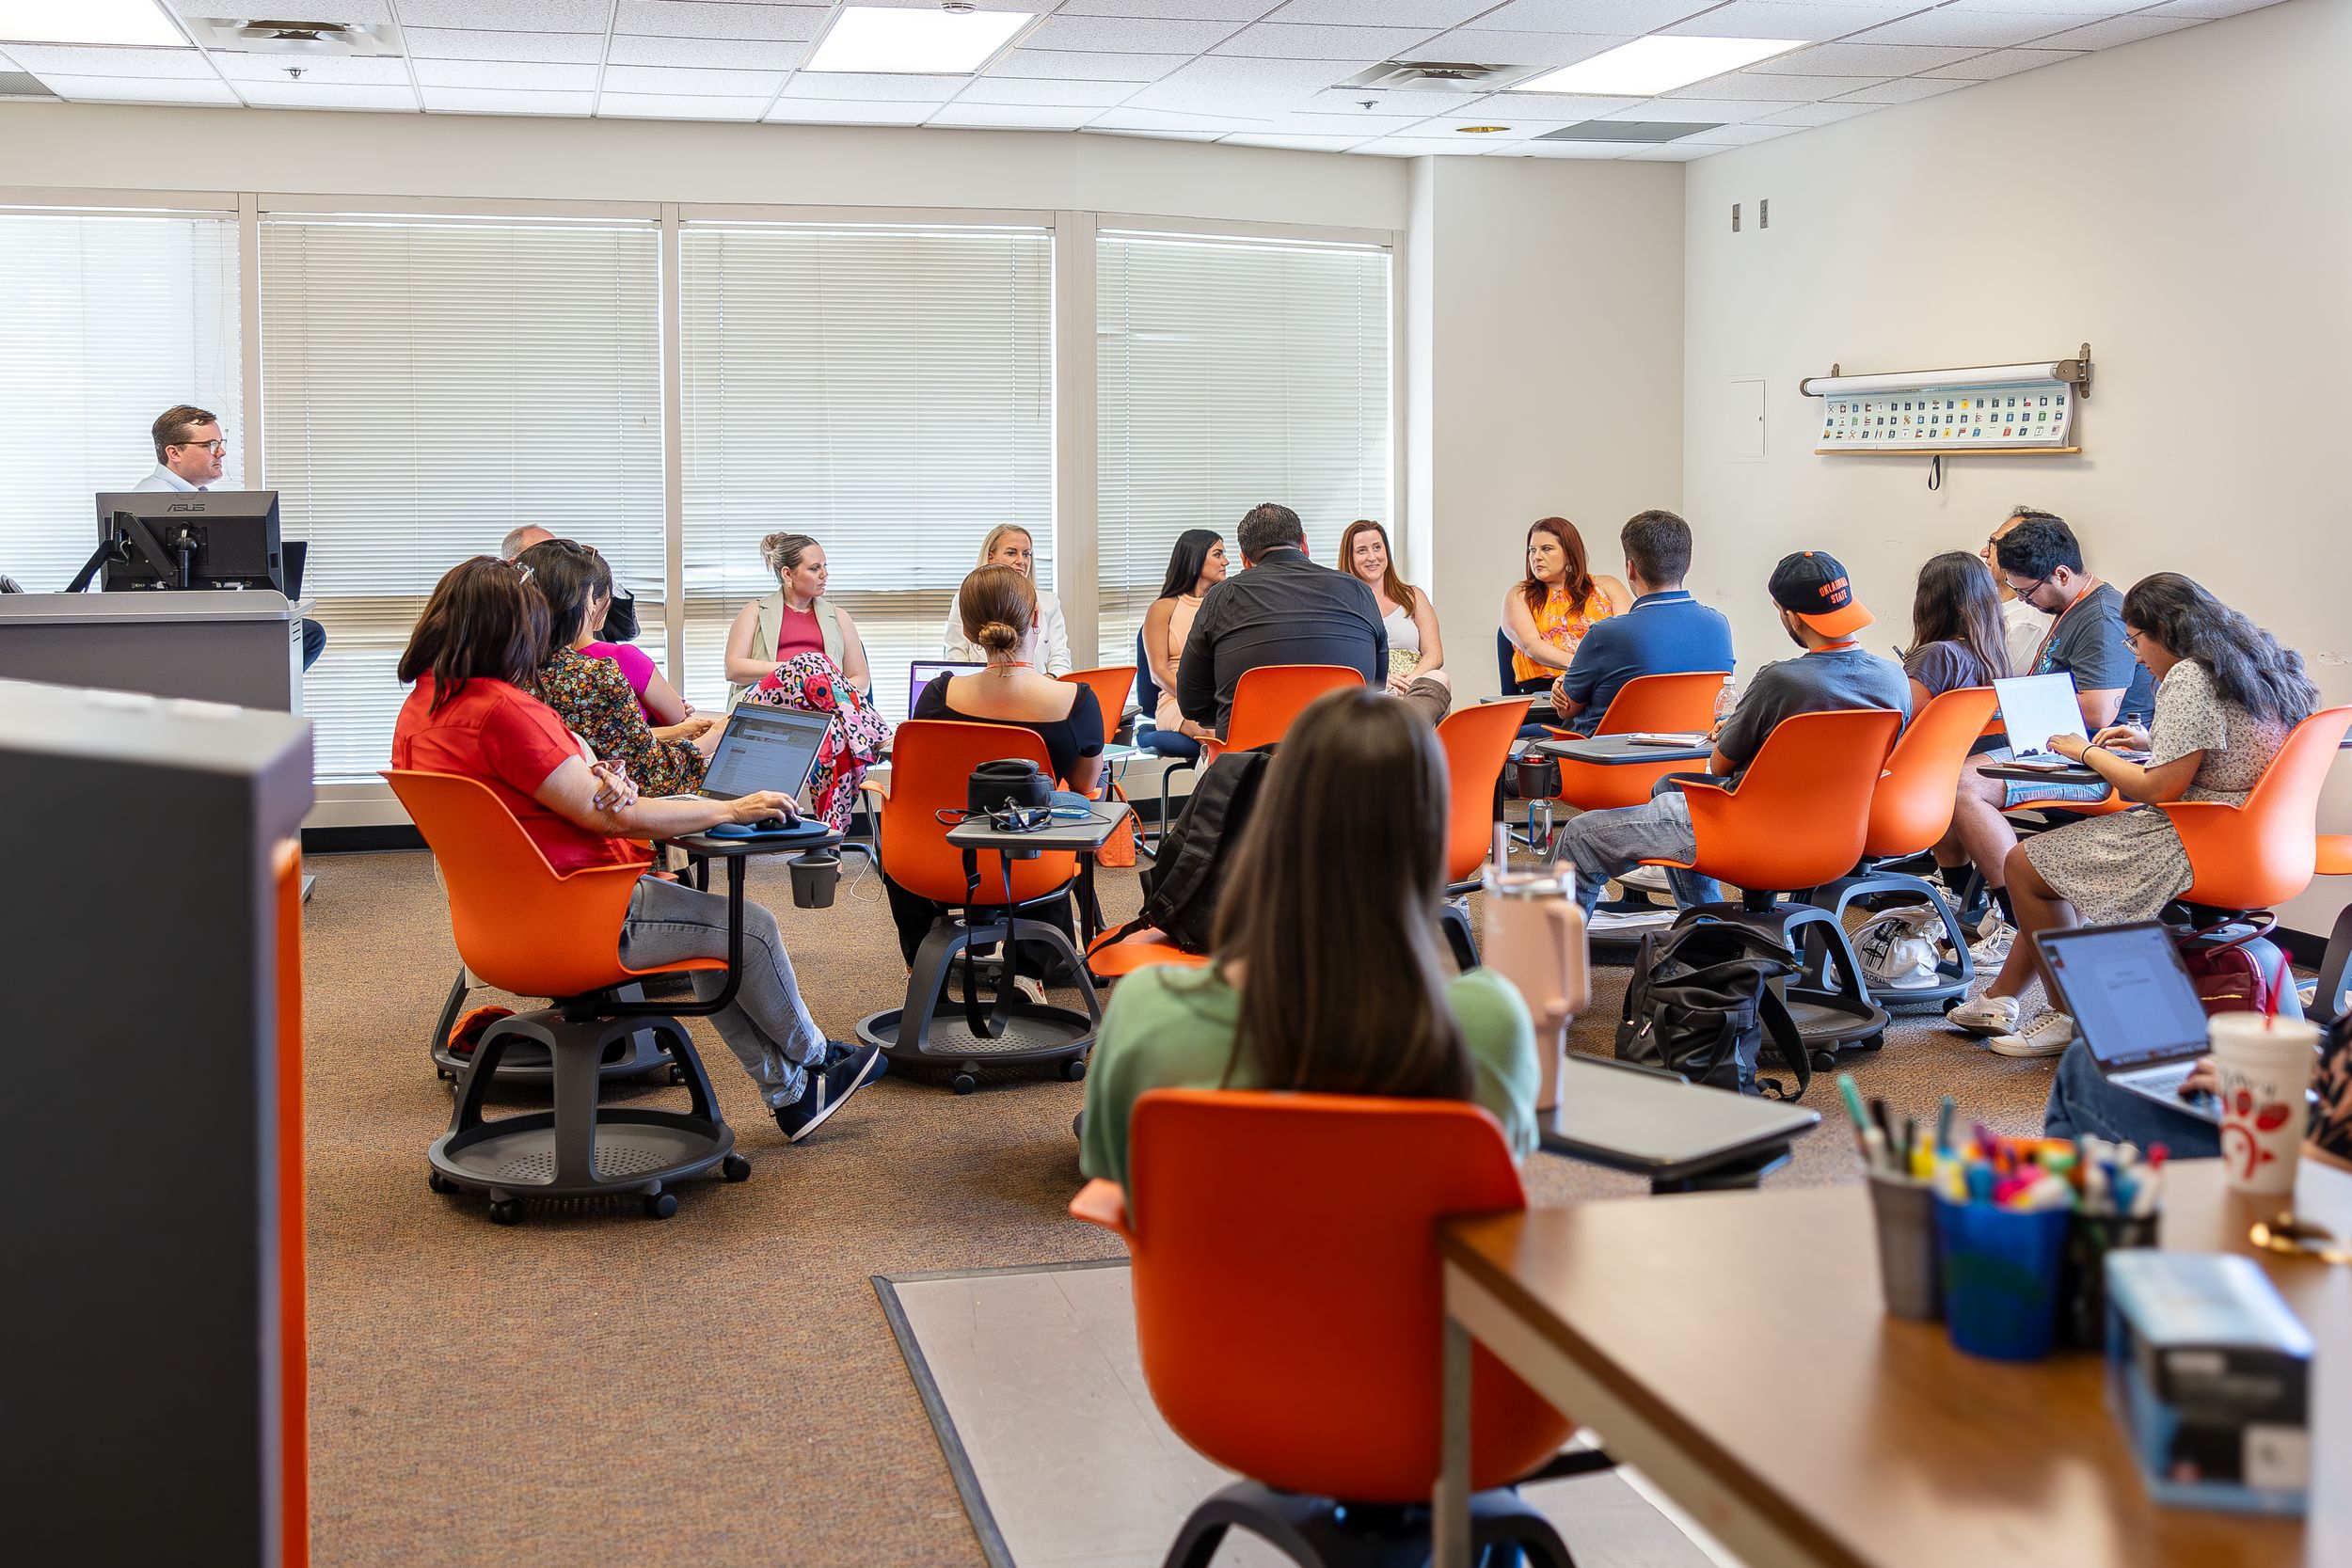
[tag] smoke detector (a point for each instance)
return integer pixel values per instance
(266, 36)
(1437, 76)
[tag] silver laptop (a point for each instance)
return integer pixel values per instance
(2034, 708)
(2135, 1008)
(764, 748)
(923, 670)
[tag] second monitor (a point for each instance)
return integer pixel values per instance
(190, 539)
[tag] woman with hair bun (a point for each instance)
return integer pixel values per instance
(794, 620)
(997, 607)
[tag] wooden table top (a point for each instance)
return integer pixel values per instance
(1748, 1328)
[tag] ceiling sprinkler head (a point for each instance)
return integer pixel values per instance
(1367, 103)
(295, 72)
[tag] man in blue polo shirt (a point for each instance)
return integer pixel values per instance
(1666, 633)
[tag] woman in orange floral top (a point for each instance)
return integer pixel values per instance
(1547, 613)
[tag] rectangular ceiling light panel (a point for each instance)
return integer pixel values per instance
(126, 22)
(884, 41)
(1649, 66)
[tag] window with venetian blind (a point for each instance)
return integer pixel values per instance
(430, 384)
(105, 320)
(1229, 372)
(887, 391)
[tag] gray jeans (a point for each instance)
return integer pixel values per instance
(1428, 698)
(1603, 843)
(766, 1025)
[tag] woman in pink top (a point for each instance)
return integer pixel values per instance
(1196, 564)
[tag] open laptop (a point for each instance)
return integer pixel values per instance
(923, 672)
(2134, 1006)
(764, 748)
(2034, 708)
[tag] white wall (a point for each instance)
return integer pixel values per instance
(1549, 321)
(2177, 202)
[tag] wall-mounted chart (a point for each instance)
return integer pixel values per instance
(2028, 408)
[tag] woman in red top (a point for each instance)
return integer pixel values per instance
(483, 633)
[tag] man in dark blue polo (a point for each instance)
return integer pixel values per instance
(1666, 633)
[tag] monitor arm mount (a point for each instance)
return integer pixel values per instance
(131, 534)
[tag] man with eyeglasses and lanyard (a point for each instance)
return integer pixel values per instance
(188, 451)
(2041, 561)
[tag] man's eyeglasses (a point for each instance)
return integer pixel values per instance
(516, 565)
(2131, 639)
(2025, 589)
(215, 448)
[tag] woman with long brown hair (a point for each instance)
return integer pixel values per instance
(1407, 614)
(1546, 614)
(1956, 636)
(1328, 976)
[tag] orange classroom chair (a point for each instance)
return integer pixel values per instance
(1289, 1307)
(2334, 859)
(1798, 818)
(1477, 742)
(1666, 704)
(1911, 810)
(1266, 699)
(1113, 956)
(931, 770)
(523, 928)
(1110, 685)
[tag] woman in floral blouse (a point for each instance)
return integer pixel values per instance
(591, 696)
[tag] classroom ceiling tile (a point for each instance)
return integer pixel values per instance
(137, 89)
(1426, 15)
(705, 53)
(1359, 46)
(1907, 89)
(1497, 46)
(696, 84)
(1719, 110)
(2002, 62)
(378, 71)
(1294, 143)
(1819, 114)
(344, 10)
(1038, 89)
(493, 100)
(655, 106)
(1228, 82)
(851, 87)
(1552, 108)
(840, 111)
(1422, 147)
(507, 16)
(2207, 10)
(1013, 117)
(1739, 136)
(1175, 10)
(307, 94)
(2115, 30)
(1773, 19)
(513, 75)
(1122, 35)
(1976, 29)
(1129, 118)
(464, 43)
(1593, 16)
(46, 59)
(1457, 125)
(1073, 65)
(1590, 151)
(1673, 152)
(1880, 60)
(707, 19)
(1098, 129)
(1784, 90)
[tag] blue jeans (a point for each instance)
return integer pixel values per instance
(766, 1026)
(1603, 843)
(2017, 792)
(2082, 1101)
(1169, 743)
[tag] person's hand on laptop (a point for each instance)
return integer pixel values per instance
(761, 805)
(2203, 1079)
(2121, 737)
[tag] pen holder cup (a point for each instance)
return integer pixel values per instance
(815, 875)
(2001, 1277)
(2083, 1277)
(1909, 1267)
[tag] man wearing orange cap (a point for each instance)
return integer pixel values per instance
(1820, 614)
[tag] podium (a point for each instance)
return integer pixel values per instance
(220, 645)
(153, 1360)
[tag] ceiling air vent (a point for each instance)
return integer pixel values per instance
(1436, 77)
(1646, 130)
(313, 40)
(24, 84)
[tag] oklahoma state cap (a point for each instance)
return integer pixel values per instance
(1813, 587)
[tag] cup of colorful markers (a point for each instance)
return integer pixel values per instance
(2005, 1239)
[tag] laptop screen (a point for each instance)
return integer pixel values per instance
(764, 748)
(2131, 999)
(923, 672)
(2034, 708)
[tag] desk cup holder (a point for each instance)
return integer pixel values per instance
(816, 873)
(1537, 777)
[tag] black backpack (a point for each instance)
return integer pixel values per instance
(1180, 887)
(1701, 1004)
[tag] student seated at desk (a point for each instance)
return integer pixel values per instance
(1665, 632)
(2083, 1103)
(997, 607)
(483, 634)
(1820, 614)
(2227, 695)
(1546, 614)
(1194, 565)
(1328, 976)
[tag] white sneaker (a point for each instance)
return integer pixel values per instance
(1630, 922)
(1985, 1015)
(2046, 1035)
(1991, 951)
(1649, 879)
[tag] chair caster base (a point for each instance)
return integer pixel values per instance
(963, 1083)
(507, 1210)
(734, 1169)
(661, 1206)
(1320, 1532)
(1074, 1069)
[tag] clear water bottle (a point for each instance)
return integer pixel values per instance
(1726, 700)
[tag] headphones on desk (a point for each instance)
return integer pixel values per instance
(1014, 794)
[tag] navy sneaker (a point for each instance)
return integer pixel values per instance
(838, 1051)
(830, 1085)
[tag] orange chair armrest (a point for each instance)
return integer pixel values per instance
(1103, 1202)
(875, 787)
(1686, 785)
(2191, 819)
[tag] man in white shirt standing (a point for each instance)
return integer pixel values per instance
(2023, 626)
(189, 449)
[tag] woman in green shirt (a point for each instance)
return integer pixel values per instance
(1328, 976)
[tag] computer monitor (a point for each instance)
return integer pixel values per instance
(190, 539)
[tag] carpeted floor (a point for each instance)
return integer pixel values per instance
(720, 1388)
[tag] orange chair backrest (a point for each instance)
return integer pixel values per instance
(1799, 813)
(1674, 703)
(1266, 699)
(1111, 684)
(1911, 807)
(930, 771)
(1477, 742)
(1288, 1301)
(2262, 853)
(520, 926)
